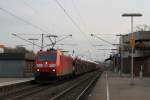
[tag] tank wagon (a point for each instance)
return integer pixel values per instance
(53, 64)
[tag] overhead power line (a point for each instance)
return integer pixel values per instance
(38, 14)
(23, 20)
(28, 5)
(101, 39)
(72, 20)
(25, 40)
(68, 15)
(78, 13)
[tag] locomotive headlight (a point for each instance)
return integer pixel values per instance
(38, 70)
(53, 65)
(46, 63)
(53, 70)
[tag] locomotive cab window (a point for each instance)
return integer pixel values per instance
(41, 57)
(48, 57)
(51, 57)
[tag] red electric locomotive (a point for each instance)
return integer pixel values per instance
(52, 64)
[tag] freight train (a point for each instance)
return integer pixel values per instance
(53, 65)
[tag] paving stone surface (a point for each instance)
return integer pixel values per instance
(120, 88)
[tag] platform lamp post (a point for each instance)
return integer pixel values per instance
(33, 42)
(132, 40)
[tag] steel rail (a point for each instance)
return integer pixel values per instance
(82, 94)
(70, 88)
(29, 92)
(11, 88)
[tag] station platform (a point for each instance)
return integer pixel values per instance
(111, 86)
(10, 81)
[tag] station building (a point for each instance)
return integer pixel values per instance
(16, 63)
(141, 53)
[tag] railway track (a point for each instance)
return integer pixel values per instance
(9, 89)
(75, 87)
(80, 90)
(27, 90)
(16, 89)
(49, 93)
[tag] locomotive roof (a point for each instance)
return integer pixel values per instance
(52, 50)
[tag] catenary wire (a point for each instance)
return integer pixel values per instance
(37, 13)
(23, 20)
(72, 20)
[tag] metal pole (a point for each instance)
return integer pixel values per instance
(121, 69)
(121, 53)
(132, 37)
(33, 42)
(33, 46)
(132, 41)
(42, 44)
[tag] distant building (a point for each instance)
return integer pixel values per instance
(17, 49)
(16, 62)
(2, 48)
(141, 52)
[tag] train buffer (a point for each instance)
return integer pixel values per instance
(112, 87)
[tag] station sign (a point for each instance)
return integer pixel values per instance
(132, 42)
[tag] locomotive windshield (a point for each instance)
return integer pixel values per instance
(46, 57)
(41, 57)
(51, 57)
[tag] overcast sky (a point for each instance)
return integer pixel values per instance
(101, 17)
